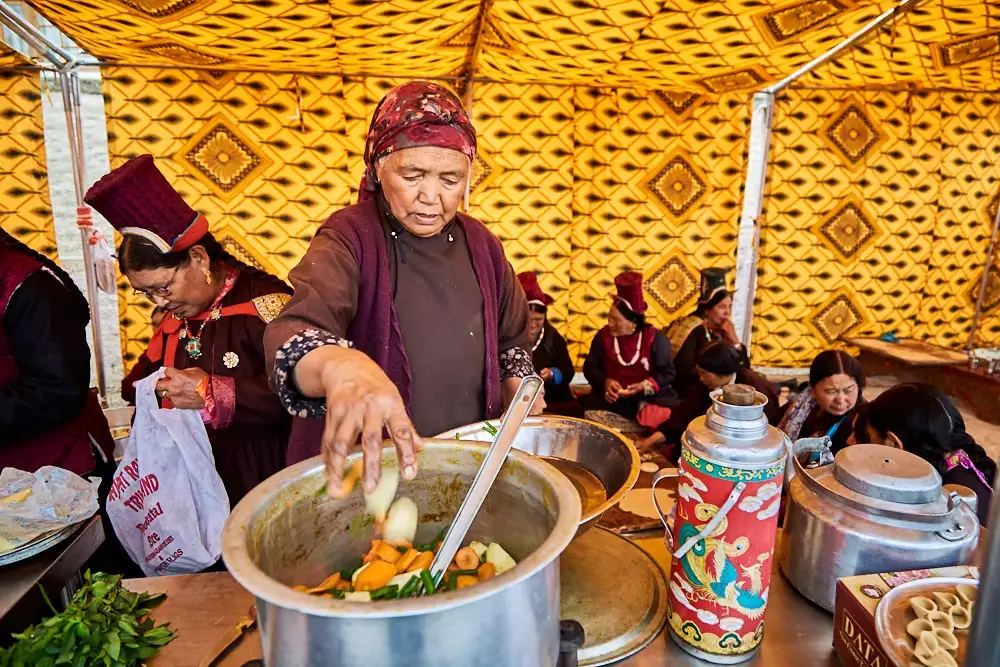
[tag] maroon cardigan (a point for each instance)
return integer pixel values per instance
(375, 329)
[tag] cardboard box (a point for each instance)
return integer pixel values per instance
(854, 611)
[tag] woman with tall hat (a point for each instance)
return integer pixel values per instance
(406, 315)
(549, 352)
(711, 321)
(629, 368)
(211, 340)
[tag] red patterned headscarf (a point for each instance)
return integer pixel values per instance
(418, 113)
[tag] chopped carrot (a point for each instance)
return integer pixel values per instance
(350, 479)
(466, 559)
(401, 543)
(375, 576)
(342, 585)
(406, 561)
(373, 553)
(327, 583)
(329, 596)
(452, 567)
(464, 581)
(388, 553)
(486, 571)
(301, 588)
(421, 562)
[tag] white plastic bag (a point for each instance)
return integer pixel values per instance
(167, 503)
(105, 266)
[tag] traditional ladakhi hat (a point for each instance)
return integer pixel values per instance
(137, 199)
(629, 291)
(713, 288)
(536, 297)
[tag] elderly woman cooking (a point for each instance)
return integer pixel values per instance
(211, 338)
(406, 315)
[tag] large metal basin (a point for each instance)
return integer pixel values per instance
(286, 531)
(612, 458)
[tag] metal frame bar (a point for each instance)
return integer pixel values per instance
(748, 236)
(987, 267)
(69, 84)
(983, 647)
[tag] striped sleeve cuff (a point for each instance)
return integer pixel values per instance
(285, 359)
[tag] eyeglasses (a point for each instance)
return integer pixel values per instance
(163, 291)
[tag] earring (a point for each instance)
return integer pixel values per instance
(208, 277)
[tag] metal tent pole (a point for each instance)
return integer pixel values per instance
(748, 238)
(985, 281)
(69, 84)
(983, 648)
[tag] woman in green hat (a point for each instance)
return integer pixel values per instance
(711, 321)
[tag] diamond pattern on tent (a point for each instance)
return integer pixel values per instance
(25, 209)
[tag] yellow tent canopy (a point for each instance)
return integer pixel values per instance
(613, 136)
(691, 45)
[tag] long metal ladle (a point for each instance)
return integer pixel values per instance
(487, 474)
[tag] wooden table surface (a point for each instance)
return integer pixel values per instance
(201, 608)
(20, 602)
(914, 352)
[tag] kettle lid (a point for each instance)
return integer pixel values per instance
(887, 473)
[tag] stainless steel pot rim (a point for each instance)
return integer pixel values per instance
(878, 508)
(251, 577)
(554, 422)
(704, 453)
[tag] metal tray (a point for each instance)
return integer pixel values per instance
(616, 591)
(893, 613)
(39, 544)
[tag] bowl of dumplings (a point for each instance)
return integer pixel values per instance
(925, 623)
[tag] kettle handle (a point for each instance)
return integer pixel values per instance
(731, 501)
(666, 473)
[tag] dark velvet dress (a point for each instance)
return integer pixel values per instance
(552, 352)
(686, 359)
(699, 400)
(250, 439)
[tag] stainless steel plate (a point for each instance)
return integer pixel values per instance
(39, 545)
(594, 448)
(893, 613)
(616, 591)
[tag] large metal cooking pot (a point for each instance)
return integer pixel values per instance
(875, 509)
(287, 531)
(596, 451)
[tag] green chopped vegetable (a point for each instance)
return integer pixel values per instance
(465, 573)
(385, 592)
(347, 573)
(105, 625)
(410, 588)
(491, 429)
(428, 582)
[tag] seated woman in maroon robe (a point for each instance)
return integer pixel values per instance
(720, 364)
(406, 313)
(48, 413)
(211, 339)
(549, 352)
(630, 368)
